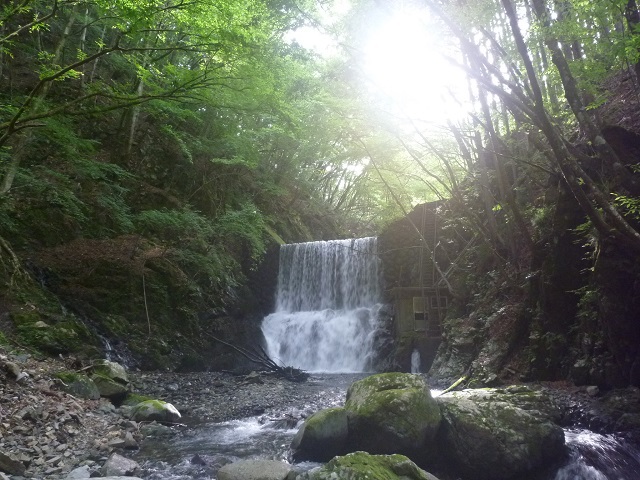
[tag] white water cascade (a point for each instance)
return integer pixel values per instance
(326, 306)
(415, 361)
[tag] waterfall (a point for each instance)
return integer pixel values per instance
(415, 361)
(326, 306)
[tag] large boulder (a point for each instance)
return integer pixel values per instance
(155, 410)
(363, 466)
(391, 413)
(111, 379)
(322, 436)
(111, 389)
(254, 470)
(112, 370)
(498, 434)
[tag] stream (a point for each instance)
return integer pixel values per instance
(201, 448)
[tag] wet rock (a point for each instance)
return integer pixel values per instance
(486, 434)
(322, 436)
(198, 460)
(117, 465)
(255, 470)
(157, 410)
(363, 465)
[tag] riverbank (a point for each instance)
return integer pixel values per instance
(50, 432)
(45, 432)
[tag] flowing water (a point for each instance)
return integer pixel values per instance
(198, 452)
(327, 305)
(593, 456)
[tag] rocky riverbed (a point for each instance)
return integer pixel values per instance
(46, 433)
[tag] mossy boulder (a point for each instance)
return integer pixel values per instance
(155, 410)
(363, 466)
(488, 434)
(109, 388)
(391, 413)
(111, 370)
(79, 385)
(322, 436)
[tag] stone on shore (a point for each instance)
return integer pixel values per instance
(157, 410)
(255, 470)
(119, 466)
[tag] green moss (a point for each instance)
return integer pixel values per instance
(68, 377)
(25, 316)
(134, 399)
(67, 336)
(361, 466)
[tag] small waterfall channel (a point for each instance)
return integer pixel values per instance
(327, 304)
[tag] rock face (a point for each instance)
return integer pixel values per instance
(254, 470)
(391, 413)
(322, 436)
(498, 434)
(157, 410)
(361, 466)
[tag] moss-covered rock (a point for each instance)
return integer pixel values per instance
(322, 436)
(363, 466)
(488, 434)
(79, 385)
(155, 410)
(391, 413)
(111, 370)
(109, 388)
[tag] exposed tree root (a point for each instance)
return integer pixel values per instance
(10, 261)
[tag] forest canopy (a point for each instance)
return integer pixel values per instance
(181, 138)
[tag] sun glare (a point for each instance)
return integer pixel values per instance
(404, 62)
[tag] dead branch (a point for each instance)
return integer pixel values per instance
(260, 357)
